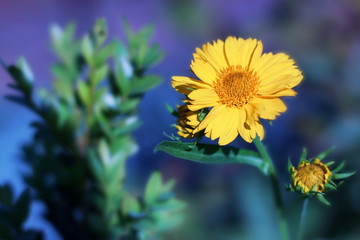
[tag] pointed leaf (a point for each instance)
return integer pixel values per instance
(289, 165)
(87, 49)
(212, 154)
(84, 92)
(322, 155)
(153, 188)
(303, 155)
(22, 207)
(342, 175)
(130, 205)
(322, 199)
(100, 74)
(338, 168)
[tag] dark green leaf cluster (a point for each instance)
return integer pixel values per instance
(83, 136)
(13, 214)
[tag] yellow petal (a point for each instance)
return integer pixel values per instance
(214, 112)
(185, 85)
(213, 54)
(244, 133)
(232, 120)
(232, 50)
(260, 130)
(202, 98)
(203, 70)
(267, 60)
(246, 52)
(272, 107)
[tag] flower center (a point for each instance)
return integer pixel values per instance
(312, 174)
(236, 86)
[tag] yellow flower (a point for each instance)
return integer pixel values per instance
(240, 84)
(307, 175)
(187, 122)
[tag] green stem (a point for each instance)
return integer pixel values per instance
(302, 219)
(275, 186)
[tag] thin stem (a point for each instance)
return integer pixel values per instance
(302, 219)
(275, 186)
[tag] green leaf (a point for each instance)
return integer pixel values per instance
(145, 83)
(84, 92)
(100, 74)
(26, 70)
(322, 199)
(152, 56)
(87, 50)
(22, 207)
(129, 126)
(212, 154)
(104, 152)
(153, 188)
(100, 32)
(106, 52)
(6, 195)
(95, 165)
(342, 175)
(25, 84)
(322, 155)
(130, 204)
(168, 186)
(64, 89)
(123, 73)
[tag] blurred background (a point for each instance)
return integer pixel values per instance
(225, 202)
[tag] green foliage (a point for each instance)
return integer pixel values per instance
(13, 214)
(83, 136)
(213, 154)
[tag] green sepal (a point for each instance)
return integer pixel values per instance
(213, 154)
(172, 111)
(202, 114)
(338, 168)
(322, 199)
(303, 155)
(330, 187)
(313, 189)
(342, 175)
(322, 155)
(289, 166)
(329, 164)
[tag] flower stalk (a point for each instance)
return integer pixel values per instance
(302, 219)
(275, 187)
